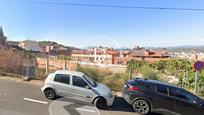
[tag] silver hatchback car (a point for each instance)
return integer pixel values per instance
(77, 84)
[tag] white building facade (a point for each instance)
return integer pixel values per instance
(29, 45)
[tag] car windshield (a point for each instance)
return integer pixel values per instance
(90, 81)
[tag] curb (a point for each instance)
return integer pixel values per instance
(20, 80)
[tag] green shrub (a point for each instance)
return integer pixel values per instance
(94, 73)
(114, 81)
(147, 72)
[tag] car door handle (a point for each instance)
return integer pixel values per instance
(57, 85)
(88, 97)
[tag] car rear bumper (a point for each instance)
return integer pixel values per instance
(127, 98)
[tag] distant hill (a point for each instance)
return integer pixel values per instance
(45, 43)
(187, 48)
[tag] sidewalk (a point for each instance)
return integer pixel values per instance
(20, 80)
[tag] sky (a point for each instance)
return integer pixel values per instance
(82, 26)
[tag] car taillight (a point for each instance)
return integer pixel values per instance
(132, 88)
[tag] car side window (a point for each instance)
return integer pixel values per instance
(162, 90)
(62, 78)
(182, 94)
(177, 93)
(78, 81)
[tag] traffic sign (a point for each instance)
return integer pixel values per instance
(198, 65)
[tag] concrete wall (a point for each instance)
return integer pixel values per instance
(57, 64)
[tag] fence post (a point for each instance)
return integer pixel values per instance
(130, 74)
(47, 66)
(27, 71)
(78, 66)
(196, 80)
(65, 65)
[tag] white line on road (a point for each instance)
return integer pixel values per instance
(36, 101)
(86, 110)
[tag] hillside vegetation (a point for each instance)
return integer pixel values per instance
(13, 60)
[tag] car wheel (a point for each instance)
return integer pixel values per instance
(141, 106)
(100, 103)
(50, 93)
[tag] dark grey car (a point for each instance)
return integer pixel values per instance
(146, 96)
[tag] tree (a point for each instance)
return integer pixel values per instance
(135, 65)
(181, 68)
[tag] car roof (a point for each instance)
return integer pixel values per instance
(77, 73)
(155, 82)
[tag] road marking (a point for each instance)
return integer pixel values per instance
(97, 111)
(36, 101)
(50, 112)
(86, 110)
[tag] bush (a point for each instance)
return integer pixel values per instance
(201, 91)
(114, 81)
(94, 73)
(148, 73)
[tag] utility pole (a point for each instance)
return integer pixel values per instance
(65, 65)
(46, 68)
(184, 79)
(196, 78)
(130, 74)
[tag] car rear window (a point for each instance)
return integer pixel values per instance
(141, 84)
(132, 82)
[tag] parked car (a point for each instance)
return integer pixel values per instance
(77, 84)
(147, 96)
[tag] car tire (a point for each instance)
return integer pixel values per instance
(141, 106)
(100, 103)
(50, 94)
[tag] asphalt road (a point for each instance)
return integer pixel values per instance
(12, 100)
(25, 99)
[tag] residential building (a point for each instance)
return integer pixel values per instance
(29, 45)
(103, 55)
(13, 43)
(94, 55)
